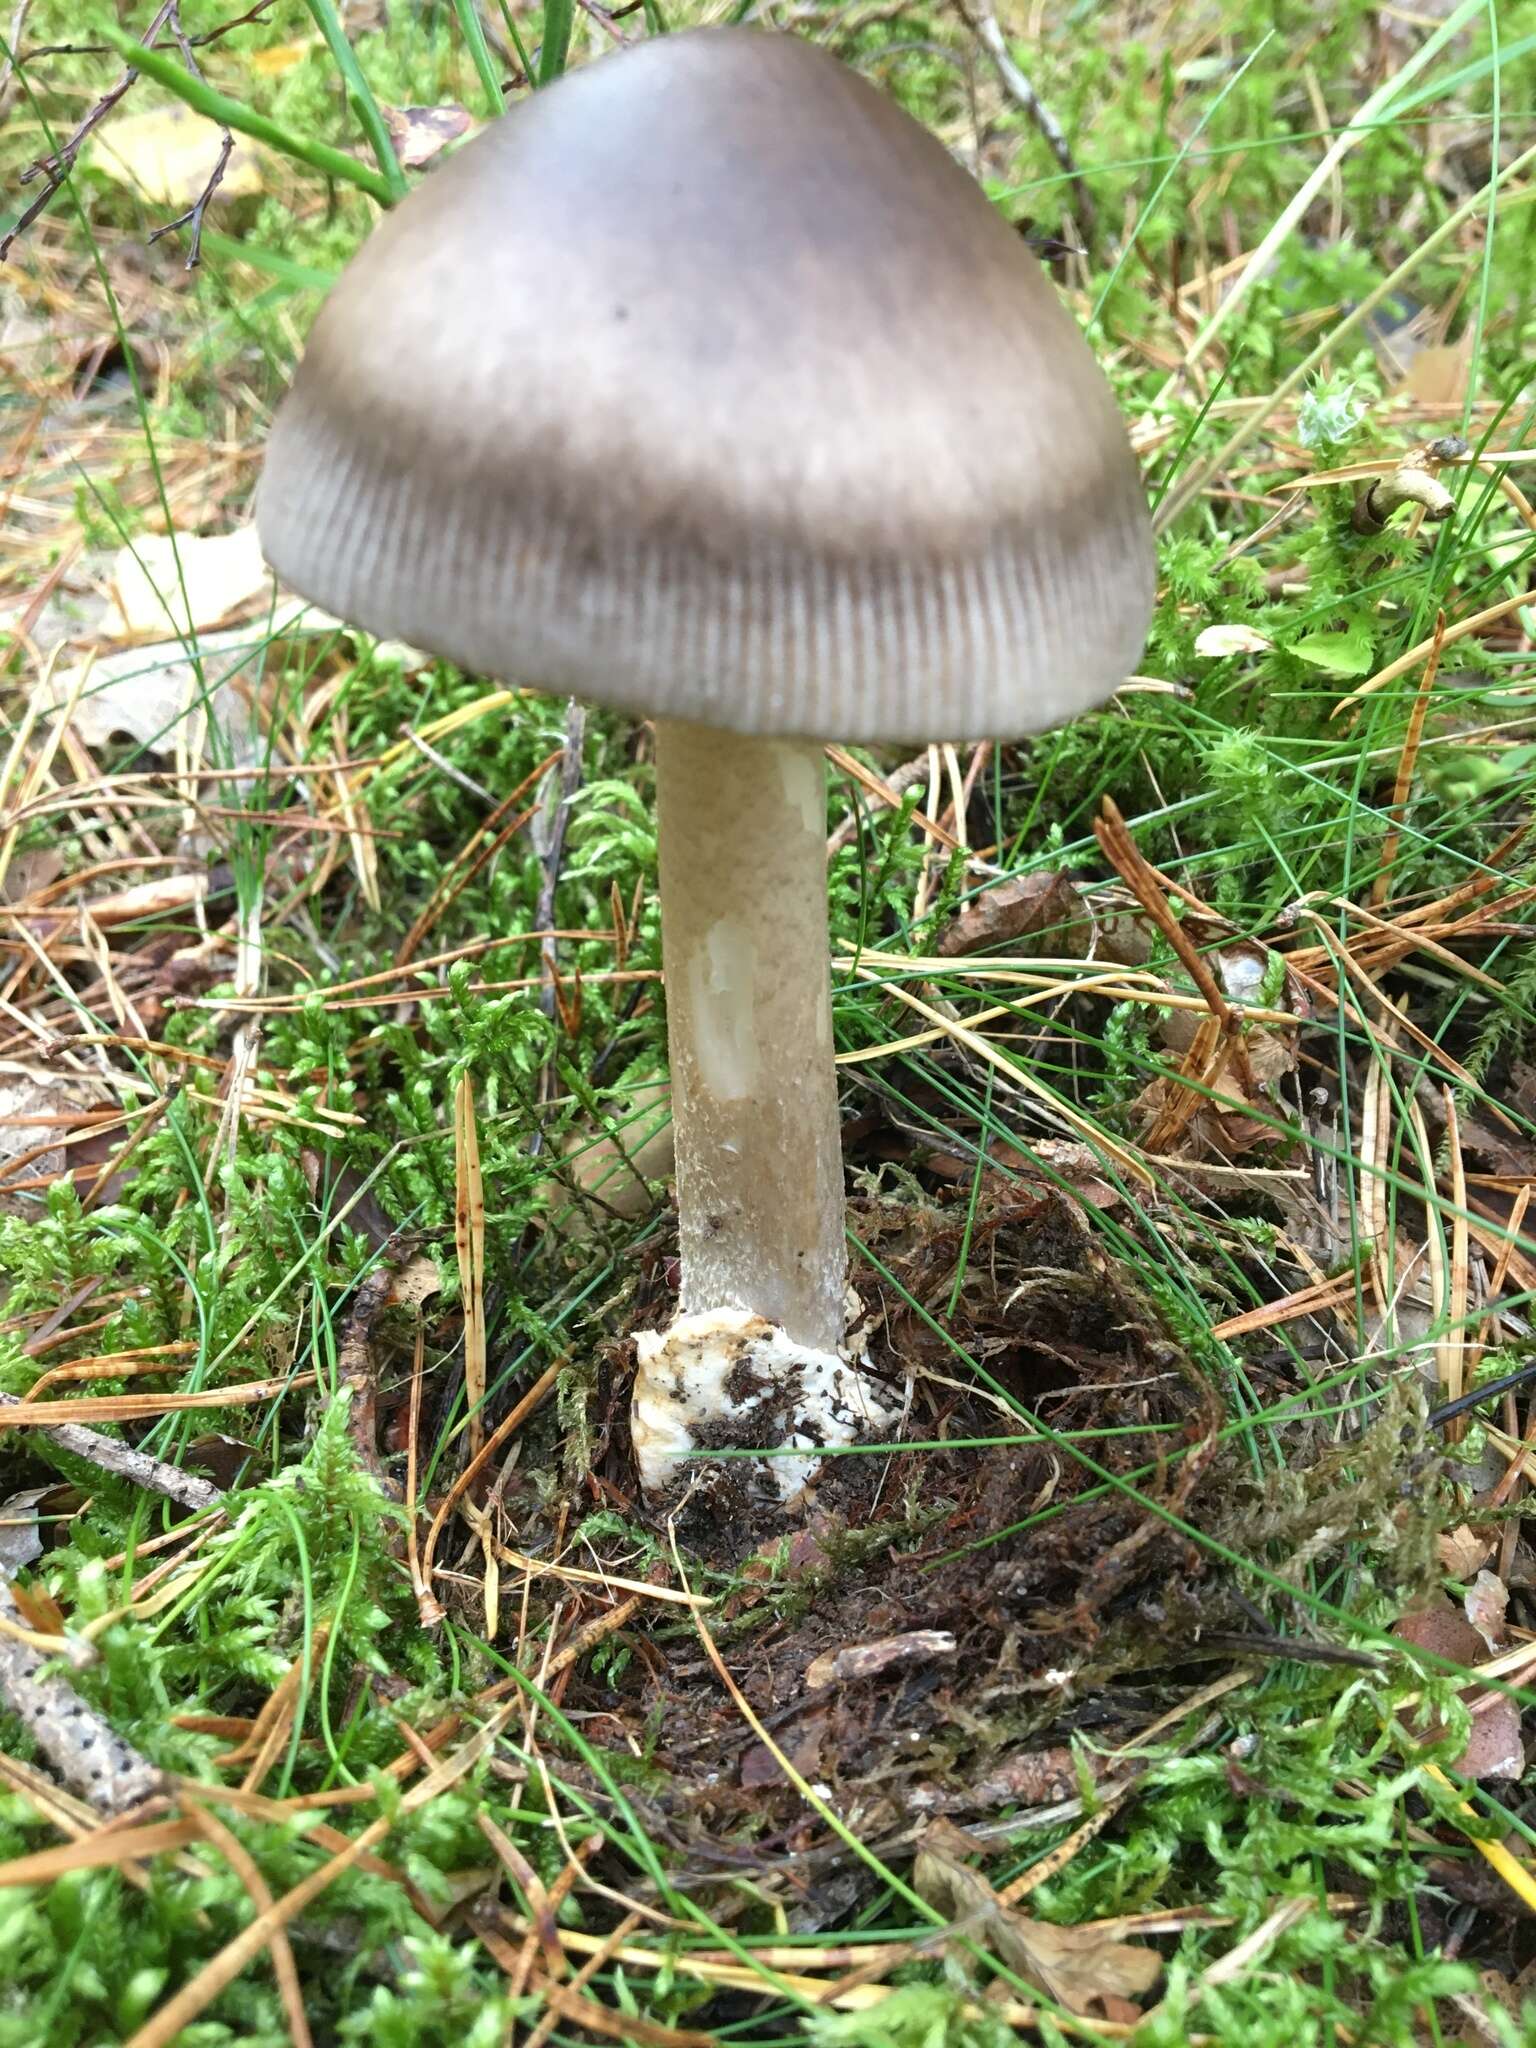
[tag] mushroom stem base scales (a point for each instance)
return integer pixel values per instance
(743, 825)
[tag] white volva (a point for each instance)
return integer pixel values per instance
(728, 1376)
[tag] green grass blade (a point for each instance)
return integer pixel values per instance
(480, 54)
(217, 106)
(514, 37)
(299, 277)
(559, 16)
(360, 93)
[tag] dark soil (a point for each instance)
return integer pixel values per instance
(1058, 1623)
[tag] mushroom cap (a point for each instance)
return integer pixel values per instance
(707, 385)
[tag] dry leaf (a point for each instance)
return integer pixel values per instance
(865, 1660)
(1029, 904)
(167, 154)
(1443, 1632)
(1218, 641)
(421, 133)
(30, 871)
(760, 1767)
(417, 1281)
(1462, 1552)
(1494, 1748)
(1080, 1967)
(171, 582)
(1487, 1598)
(1438, 374)
(153, 696)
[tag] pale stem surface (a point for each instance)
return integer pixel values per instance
(743, 827)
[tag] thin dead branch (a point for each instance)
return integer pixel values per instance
(124, 1462)
(55, 170)
(193, 217)
(89, 1756)
(983, 25)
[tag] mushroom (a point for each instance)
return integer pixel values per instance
(706, 385)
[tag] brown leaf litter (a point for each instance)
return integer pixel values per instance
(1082, 1968)
(1495, 1748)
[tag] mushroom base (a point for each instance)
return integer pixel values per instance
(728, 1379)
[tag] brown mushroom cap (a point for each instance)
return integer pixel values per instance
(706, 384)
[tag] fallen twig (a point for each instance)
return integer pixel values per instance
(193, 216)
(553, 850)
(138, 1467)
(10, 64)
(55, 169)
(90, 1757)
(984, 27)
(355, 1366)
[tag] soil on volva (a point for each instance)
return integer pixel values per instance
(1045, 1600)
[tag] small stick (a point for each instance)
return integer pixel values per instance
(212, 35)
(55, 170)
(445, 767)
(983, 25)
(10, 67)
(194, 213)
(138, 1467)
(87, 1754)
(355, 1366)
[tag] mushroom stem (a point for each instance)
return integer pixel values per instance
(743, 826)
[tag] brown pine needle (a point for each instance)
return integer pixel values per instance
(1381, 888)
(539, 1392)
(135, 1407)
(245, 1868)
(469, 1242)
(1123, 855)
(195, 1996)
